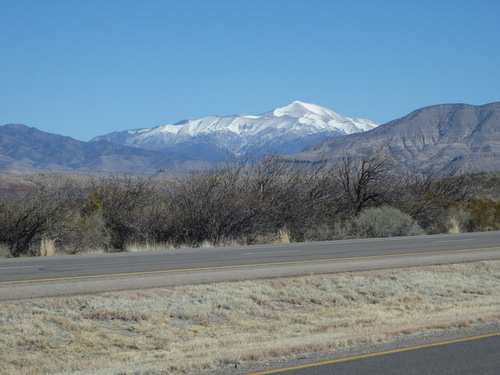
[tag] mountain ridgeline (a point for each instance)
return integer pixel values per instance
(445, 135)
(285, 130)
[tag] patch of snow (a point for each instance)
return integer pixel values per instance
(237, 132)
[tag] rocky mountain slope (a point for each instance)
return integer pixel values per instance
(447, 135)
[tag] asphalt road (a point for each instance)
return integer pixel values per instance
(52, 276)
(479, 355)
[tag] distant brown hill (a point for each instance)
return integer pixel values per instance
(446, 135)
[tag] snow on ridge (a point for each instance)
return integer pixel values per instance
(291, 123)
(301, 109)
(173, 129)
(297, 112)
(320, 114)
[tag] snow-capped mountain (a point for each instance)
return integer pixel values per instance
(285, 130)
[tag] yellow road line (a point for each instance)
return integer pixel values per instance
(246, 265)
(375, 354)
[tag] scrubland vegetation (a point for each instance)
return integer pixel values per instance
(218, 326)
(242, 202)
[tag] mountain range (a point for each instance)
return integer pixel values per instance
(27, 150)
(447, 135)
(285, 130)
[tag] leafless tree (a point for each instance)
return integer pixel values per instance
(364, 180)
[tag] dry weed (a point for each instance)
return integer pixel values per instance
(47, 247)
(138, 247)
(4, 250)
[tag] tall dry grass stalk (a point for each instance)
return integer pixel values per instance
(190, 329)
(283, 236)
(47, 247)
(453, 226)
(4, 250)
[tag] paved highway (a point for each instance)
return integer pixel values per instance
(39, 277)
(479, 355)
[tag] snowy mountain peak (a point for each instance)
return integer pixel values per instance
(287, 129)
(300, 109)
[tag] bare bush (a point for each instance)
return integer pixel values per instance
(90, 233)
(428, 197)
(128, 208)
(384, 221)
(214, 206)
(26, 219)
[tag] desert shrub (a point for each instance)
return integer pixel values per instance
(431, 197)
(437, 218)
(476, 214)
(91, 233)
(301, 201)
(484, 214)
(255, 200)
(246, 202)
(121, 211)
(211, 207)
(30, 217)
(488, 184)
(384, 221)
(456, 221)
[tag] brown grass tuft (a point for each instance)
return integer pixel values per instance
(47, 247)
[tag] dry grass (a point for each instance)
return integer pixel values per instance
(216, 326)
(137, 247)
(47, 247)
(4, 250)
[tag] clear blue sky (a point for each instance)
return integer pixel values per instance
(85, 68)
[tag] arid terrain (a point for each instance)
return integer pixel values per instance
(217, 327)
